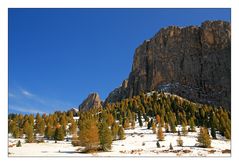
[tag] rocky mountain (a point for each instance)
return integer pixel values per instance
(92, 101)
(193, 62)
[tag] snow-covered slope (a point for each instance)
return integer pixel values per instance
(139, 142)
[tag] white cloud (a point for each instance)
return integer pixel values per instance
(11, 94)
(25, 109)
(26, 93)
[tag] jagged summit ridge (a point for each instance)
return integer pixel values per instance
(92, 101)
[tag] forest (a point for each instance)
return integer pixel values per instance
(96, 129)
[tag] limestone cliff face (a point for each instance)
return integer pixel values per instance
(92, 101)
(193, 62)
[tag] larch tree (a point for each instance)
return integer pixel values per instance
(204, 138)
(89, 135)
(114, 130)
(160, 135)
(121, 133)
(105, 137)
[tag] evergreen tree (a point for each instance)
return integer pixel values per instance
(160, 135)
(139, 119)
(41, 127)
(158, 119)
(192, 125)
(180, 141)
(105, 137)
(154, 128)
(121, 133)
(204, 138)
(133, 124)
(73, 128)
(158, 144)
(114, 130)
(213, 133)
(170, 146)
(16, 133)
(19, 144)
(184, 130)
(89, 135)
(110, 119)
(29, 134)
(59, 133)
(49, 132)
(126, 123)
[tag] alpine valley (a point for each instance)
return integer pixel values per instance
(175, 102)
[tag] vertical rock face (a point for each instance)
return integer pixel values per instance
(92, 101)
(193, 62)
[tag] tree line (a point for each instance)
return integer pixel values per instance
(97, 128)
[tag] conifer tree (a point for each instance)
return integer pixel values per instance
(121, 133)
(170, 146)
(133, 124)
(158, 144)
(16, 133)
(49, 132)
(204, 138)
(126, 123)
(110, 119)
(29, 134)
(192, 125)
(154, 128)
(180, 141)
(105, 137)
(114, 130)
(160, 135)
(19, 144)
(59, 133)
(184, 130)
(158, 119)
(89, 135)
(41, 127)
(139, 119)
(213, 132)
(73, 128)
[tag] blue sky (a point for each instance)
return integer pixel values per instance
(58, 56)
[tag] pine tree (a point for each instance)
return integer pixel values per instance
(133, 124)
(59, 134)
(154, 128)
(41, 127)
(89, 135)
(213, 133)
(29, 134)
(114, 130)
(121, 133)
(160, 135)
(204, 138)
(126, 123)
(16, 133)
(158, 119)
(158, 144)
(180, 141)
(139, 119)
(73, 128)
(192, 125)
(110, 119)
(105, 137)
(170, 146)
(19, 144)
(49, 132)
(184, 130)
